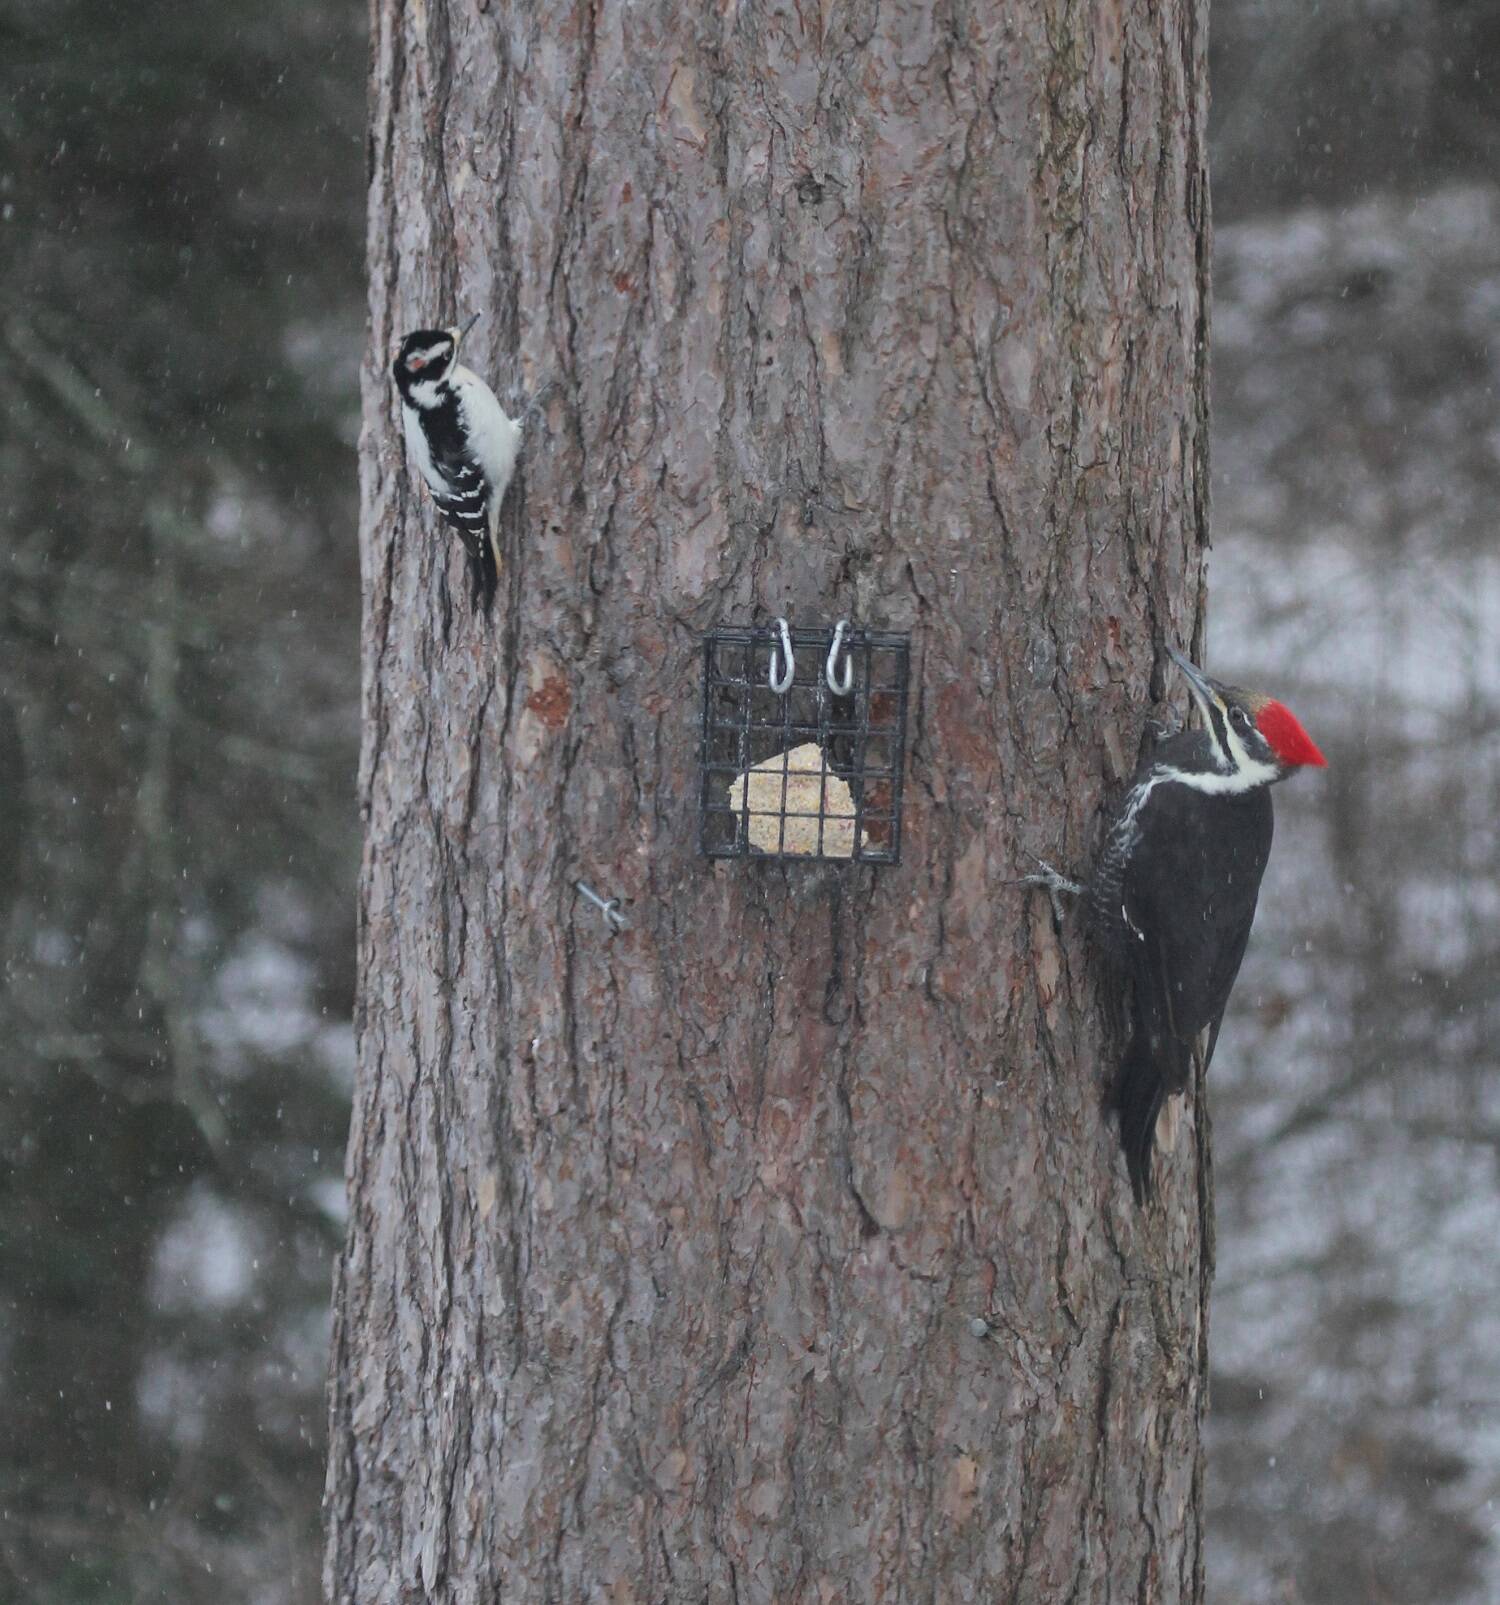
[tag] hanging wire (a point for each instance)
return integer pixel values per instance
(839, 687)
(782, 683)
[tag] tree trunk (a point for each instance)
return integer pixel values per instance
(666, 1250)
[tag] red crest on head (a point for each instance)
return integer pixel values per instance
(1289, 741)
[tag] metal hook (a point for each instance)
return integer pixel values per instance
(781, 684)
(839, 687)
(609, 907)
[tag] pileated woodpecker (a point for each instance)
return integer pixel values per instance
(1172, 897)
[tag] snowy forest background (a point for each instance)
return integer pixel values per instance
(181, 317)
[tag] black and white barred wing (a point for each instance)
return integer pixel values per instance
(462, 497)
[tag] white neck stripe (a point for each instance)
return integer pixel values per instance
(426, 393)
(1248, 777)
(1241, 771)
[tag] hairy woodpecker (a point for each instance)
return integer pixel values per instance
(1172, 897)
(462, 441)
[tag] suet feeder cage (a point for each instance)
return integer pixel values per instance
(804, 743)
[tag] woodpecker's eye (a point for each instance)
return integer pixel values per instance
(1239, 719)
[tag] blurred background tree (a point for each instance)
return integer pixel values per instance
(181, 317)
(181, 306)
(1356, 1373)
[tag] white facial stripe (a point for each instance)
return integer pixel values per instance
(1242, 759)
(1211, 714)
(430, 354)
(1246, 773)
(1247, 777)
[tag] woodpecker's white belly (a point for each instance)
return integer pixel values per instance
(494, 438)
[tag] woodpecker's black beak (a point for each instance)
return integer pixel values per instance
(1206, 692)
(458, 333)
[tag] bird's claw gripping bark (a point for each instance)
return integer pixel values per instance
(1053, 881)
(1162, 727)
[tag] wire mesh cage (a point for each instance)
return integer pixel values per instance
(803, 761)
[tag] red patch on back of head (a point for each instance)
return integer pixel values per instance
(1289, 741)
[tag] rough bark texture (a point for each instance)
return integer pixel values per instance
(665, 1250)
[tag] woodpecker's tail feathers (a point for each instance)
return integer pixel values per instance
(485, 570)
(1140, 1092)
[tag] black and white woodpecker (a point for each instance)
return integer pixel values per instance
(463, 443)
(1172, 896)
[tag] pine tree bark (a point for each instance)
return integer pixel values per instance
(666, 1251)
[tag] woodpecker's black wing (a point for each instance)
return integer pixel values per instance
(460, 490)
(1190, 892)
(1187, 900)
(1251, 866)
(1226, 973)
(464, 504)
